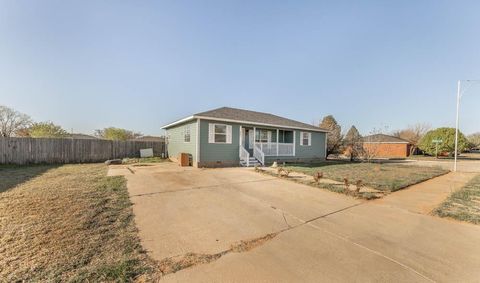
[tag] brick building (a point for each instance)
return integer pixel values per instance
(385, 146)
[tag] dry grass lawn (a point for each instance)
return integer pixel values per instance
(67, 223)
(464, 204)
(384, 177)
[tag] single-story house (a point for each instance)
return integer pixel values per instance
(385, 146)
(232, 137)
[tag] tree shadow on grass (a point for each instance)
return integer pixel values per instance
(14, 175)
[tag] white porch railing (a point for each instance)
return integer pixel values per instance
(276, 149)
(244, 155)
(258, 154)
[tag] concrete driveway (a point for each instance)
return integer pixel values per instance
(317, 236)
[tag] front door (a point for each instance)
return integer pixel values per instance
(246, 139)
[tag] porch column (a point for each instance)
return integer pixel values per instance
(254, 136)
(294, 142)
(277, 142)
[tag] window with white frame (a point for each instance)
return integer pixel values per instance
(186, 133)
(219, 133)
(305, 138)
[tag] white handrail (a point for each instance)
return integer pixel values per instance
(258, 153)
(244, 155)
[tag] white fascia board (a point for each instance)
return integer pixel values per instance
(259, 124)
(179, 122)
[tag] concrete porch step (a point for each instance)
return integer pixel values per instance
(252, 162)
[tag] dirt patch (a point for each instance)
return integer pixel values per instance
(175, 264)
(244, 246)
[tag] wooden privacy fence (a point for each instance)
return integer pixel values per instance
(67, 150)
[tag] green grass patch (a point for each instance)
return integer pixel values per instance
(464, 204)
(384, 177)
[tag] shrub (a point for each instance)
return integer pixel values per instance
(447, 135)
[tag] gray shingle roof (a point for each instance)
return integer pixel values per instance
(254, 117)
(383, 138)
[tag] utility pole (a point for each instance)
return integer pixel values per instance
(459, 96)
(456, 127)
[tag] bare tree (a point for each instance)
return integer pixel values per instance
(371, 143)
(371, 148)
(12, 121)
(413, 134)
(474, 140)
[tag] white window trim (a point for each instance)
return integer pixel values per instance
(309, 139)
(185, 129)
(228, 133)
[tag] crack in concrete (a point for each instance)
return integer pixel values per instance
(201, 187)
(180, 262)
(177, 263)
(346, 239)
(285, 219)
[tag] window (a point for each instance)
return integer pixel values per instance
(261, 135)
(186, 133)
(219, 133)
(305, 138)
(285, 136)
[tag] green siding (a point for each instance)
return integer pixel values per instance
(210, 152)
(176, 143)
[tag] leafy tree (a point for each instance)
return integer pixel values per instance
(447, 135)
(334, 137)
(46, 130)
(413, 134)
(113, 133)
(474, 140)
(12, 121)
(353, 143)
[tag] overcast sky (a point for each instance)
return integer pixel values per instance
(141, 64)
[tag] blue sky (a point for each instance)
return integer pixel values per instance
(141, 64)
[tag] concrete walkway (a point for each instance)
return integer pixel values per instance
(426, 196)
(320, 236)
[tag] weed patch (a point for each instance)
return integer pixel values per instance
(464, 204)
